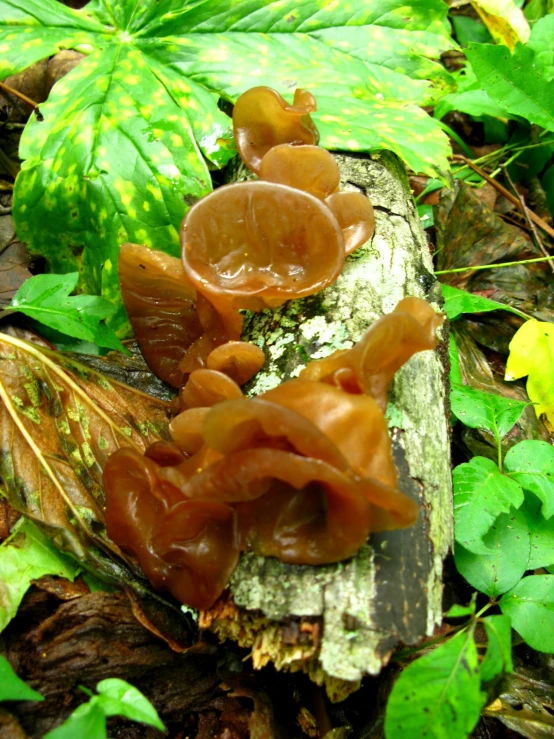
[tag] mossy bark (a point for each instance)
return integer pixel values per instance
(340, 622)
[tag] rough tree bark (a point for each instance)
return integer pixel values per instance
(342, 621)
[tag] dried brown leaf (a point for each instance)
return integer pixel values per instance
(59, 422)
(470, 234)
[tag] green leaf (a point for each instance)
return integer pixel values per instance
(88, 720)
(34, 30)
(515, 81)
(541, 534)
(28, 555)
(426, 216)
(480, 410)
(530, 606)
(118, 698)
(541, 42)
(457, 611)
(455, 372)
(496, 573)
(498, 657)
(536, 9)
(46, 299)
(469, 29)
(457, 302)
(469, 98)
(438, 695)
(481, 494)
(531, 464)
(13, 688)
(121, 150)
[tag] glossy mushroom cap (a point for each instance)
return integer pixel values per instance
(262, 119)
(239, 360)
(308, 168)
(258, 244)
(187, 547)
(161, 304)
(206, 387)
(369, 367)
(354, 212)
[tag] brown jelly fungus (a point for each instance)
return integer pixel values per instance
(160, 302)
(354, 212)
(240, 360)
(308, 168)
(303, 472)
(262, 119)
(258, 244)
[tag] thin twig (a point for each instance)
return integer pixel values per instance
(493, 266)
(19, 95)
(507, 194)
(526, 213)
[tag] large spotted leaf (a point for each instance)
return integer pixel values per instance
(127, 137)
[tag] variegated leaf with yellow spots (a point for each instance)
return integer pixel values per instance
(126, 137)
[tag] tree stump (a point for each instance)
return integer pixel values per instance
(341, 622)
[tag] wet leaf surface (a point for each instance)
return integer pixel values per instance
(470, 234)
(59, 422)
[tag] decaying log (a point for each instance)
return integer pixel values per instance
(341, 622)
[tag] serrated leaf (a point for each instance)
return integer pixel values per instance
(496, 573)
(12, 688)
(437, 695)
(498, 657)
(457, 302)
(28, 555)
(504, 20)
(480, 410)
(118, 698)
(481, 494)
(59, 422)
(532, 354)
(530, 606)
(34, 30)
(531, 464)
(514, 81)
(46, 298)
(469, 98)
(119, 154)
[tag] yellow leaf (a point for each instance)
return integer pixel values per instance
(505, 21)
(532, 354)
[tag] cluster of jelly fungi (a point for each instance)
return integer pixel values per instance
(303, 472)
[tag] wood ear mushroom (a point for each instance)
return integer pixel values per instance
(304, 472)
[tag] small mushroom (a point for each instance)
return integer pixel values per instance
(206, 387)
(308, 168)
(354, 212)
(262, 119)
(198, 542)
(186, 430)
(165, 453)
(239, 360)
(161, 305)
(370, 365)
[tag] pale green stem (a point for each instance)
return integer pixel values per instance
(493, 266)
